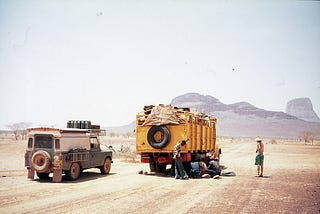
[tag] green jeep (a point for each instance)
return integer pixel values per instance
(69, 150)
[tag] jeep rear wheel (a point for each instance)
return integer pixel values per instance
(41, 161)
(105, 169)
(74, 172)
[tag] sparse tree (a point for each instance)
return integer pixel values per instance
(113, 134)
(127, 134)
(307, 136)
(273, 141)
(19, 129)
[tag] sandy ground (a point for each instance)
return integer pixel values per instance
(291, 185)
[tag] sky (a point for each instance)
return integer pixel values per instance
(104, 60)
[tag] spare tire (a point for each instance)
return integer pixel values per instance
(158, 136)
(41, 161)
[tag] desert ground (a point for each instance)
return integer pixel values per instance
(291, 184)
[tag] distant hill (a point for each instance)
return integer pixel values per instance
(303, 109)
(242, 119)
(122, 129)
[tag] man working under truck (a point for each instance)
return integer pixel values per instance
(178, 168)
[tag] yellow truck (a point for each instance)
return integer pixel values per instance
(159, 128)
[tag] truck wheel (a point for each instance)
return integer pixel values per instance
(161, 168)
(41, 161)
(152, 166)
(217, 153)
(74, 172)
(158, 136)
(105, 169)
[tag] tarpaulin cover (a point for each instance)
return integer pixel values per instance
(162, 115)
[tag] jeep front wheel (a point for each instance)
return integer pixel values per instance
(74, 172)
(105, 169)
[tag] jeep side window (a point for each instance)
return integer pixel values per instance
(43, 141)
(57, 144)
(30, 142)
(94, 143)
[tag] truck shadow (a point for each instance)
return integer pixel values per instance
(84, 177)
(158, 174)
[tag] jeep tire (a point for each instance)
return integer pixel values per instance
(41, 161)
(105, 169)
(74, 172)
(153, 136)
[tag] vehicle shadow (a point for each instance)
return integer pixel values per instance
(84, 177)
(158, 174)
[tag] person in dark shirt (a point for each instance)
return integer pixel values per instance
(213, 169)
(179, 169)
(197, 169)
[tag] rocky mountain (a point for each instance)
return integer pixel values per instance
(122, 129)
(302, 108)
(244, 119)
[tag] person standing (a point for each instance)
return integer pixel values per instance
(259, 156)
(178, 168)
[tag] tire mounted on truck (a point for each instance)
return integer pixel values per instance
(158, 136)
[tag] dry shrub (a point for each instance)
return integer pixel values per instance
(273, 141)
(127, 154)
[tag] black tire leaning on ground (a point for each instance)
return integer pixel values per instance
(152, 141)
(41, 161)
(105, 169)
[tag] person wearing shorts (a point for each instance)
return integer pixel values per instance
(259, 156)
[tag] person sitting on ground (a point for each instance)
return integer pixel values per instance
(213, 168)
(197, 169)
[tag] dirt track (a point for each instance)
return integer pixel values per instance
(291, 185)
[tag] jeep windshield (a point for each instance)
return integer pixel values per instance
(43, 141)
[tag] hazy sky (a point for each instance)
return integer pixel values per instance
(104, 60)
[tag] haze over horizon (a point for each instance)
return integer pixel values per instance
(104, 60)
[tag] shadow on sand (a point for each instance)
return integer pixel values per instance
(84, 176)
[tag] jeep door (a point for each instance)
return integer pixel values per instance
(96, 156)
